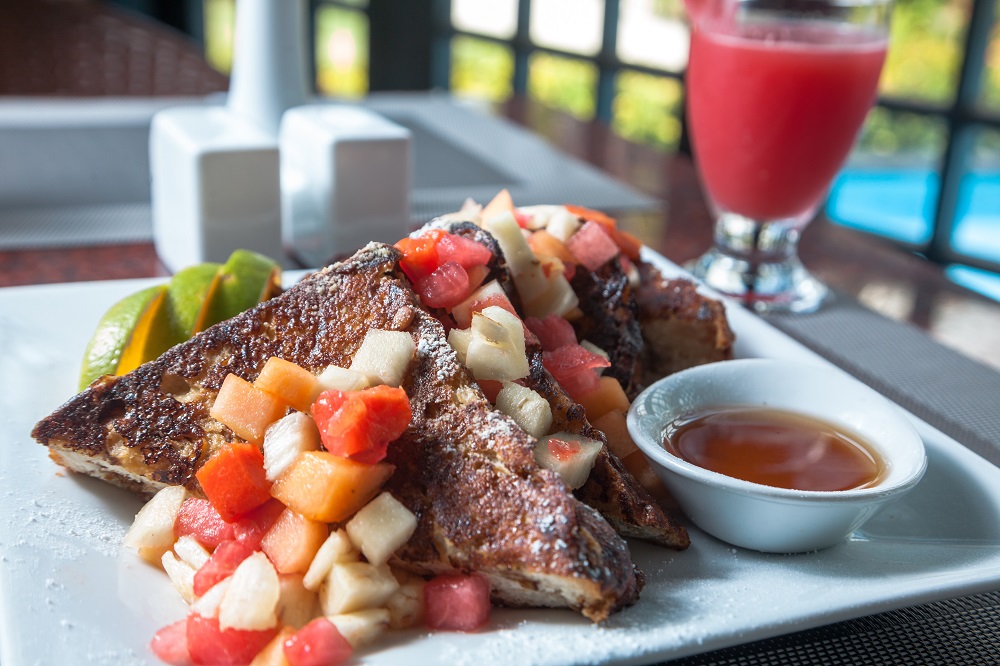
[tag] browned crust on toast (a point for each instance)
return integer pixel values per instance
(681, 328)
(465, 470)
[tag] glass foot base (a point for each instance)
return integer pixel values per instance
(784, 286)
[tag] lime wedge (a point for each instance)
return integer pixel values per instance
(121, 334)
(188, 292)
(246, 279)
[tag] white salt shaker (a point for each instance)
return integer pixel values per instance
(345, 178)
(215, 170)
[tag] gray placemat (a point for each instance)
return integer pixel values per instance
(952, 392)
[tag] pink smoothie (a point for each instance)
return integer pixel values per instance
(772, 120)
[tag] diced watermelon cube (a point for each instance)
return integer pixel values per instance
(198, 518)
(446, 287)
(319, 643)
(465, 251)
(553, 331)
(252, 527)
(592, 245)
(208, 643)
(221, 565)
(574, 367)
(457, 602)
(170, 644)
(360, 424)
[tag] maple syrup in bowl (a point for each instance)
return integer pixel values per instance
(776, 456)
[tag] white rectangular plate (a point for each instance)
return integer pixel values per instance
(69, 595)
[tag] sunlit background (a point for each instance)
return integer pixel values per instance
(939, 112)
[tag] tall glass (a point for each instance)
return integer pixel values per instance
(777, 91)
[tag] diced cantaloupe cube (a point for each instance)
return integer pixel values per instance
(336, 548)
(292, 541)
(152, 530)
(273, 653)
(607, 396)
(328, 488)
(381, 527)
(245, 409)
(355, 586)
(615, 429)
(290, 382)
(297, 605)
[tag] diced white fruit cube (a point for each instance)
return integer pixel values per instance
(355, 586)
(152, 531)
(527, 407)
(562, 224)
(362, 627)
(207, 605)
(496, 349)
(336, 549)
(516, 251)
(459, 339)
(251, 601)
(384, 356)
(181, 574)
(406, 605)
(380, 527)
(297, 605)
(491, 292)
(571, 456)
(285, 439)
(341, 379)
(189, 551)
(556, 296)
(537, 217)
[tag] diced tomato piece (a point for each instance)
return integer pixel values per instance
(420, 255)
(198, 518)
(462, 250)
(234, 480)
(553, 331)
(319, 643)
(170, 644)
(491, 388)
(210, 644)
(445, 288)
(592, 246)
(457, 602)
(562, 450)
(220, 565)
(573, 367)
(359, 425)
(252, 527)
(590, 214)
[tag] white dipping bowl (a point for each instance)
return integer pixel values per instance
(766, 518)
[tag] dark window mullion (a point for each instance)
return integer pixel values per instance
(959, 143)
(608, 62)
(522, 47)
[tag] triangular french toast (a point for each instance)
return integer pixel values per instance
(466, 471)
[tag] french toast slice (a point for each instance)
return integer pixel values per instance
(611, 489)
(466, 471)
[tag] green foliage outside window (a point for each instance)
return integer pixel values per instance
(567, 84)
(647, 109)
(481, 69)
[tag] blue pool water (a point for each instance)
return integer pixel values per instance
(899, 204)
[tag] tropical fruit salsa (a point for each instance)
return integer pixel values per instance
(288, 558)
